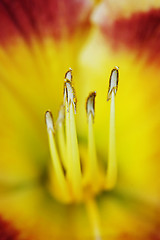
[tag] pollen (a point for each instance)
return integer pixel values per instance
(72, 178)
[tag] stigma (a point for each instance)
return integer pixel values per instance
(74, 177)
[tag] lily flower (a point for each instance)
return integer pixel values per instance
(91, 170)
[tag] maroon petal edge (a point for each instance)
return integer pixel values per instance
(7, 230)
(140, 32)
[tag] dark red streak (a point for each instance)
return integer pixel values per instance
(7, 231)
(27, 18)
(140, 32)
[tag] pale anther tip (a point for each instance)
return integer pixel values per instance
(49, 120)
(90, 103)
(68, 75)
(117, 68)
(69, 95)
(113, 82)
(61, 114)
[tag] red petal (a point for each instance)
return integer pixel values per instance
(60, 19)
(140, 32)
(7, 231)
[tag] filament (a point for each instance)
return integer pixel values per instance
(76, 168)
(61, 137)
(57, 168)
(93, 215)
(111, 176)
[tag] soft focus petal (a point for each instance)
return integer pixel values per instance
(39, 40)
(137, 99)
(126, 217)
(107, 11)
(36, 215)
(138, 32)
(137, 125)
(33, 61)
(57, 19)
(7, 231)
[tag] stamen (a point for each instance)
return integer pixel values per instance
(69, 182)
(73, 158)
(60, 135)
(60, 181)
(113, 83)
(111, 176)
(92, 168)
(68, 77)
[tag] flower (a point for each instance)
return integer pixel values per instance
(39, 41)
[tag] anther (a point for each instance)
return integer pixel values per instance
(90, 104)
(67, 78)
(113, 83)
(49, 121)
(61, 114)
(69, 95)
(68, 75)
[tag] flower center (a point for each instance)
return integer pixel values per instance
(72, 178)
